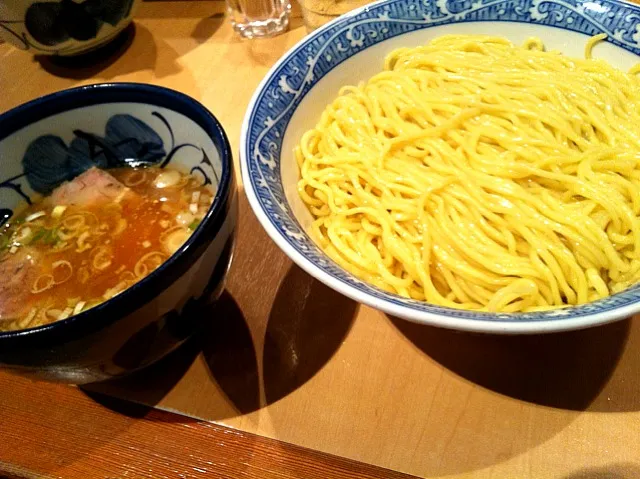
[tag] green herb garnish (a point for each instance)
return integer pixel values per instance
(194, 224)
(46, 236)
(52, 238)
(38, 236)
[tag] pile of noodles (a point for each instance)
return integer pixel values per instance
(477, 174)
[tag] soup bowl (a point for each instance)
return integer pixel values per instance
(63, 27)
(351, 49)
(111, 124)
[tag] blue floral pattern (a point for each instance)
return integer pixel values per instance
(127, 141)
(322, 51)
(48, 161)
(49, 24)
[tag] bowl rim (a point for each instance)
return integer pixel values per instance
(140, 293)
(554, 323)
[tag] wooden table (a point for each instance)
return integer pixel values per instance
(291, 380)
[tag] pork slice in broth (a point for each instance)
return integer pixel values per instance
(18, 274)
(93, 187)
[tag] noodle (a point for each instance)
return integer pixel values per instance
(475, 174)
(135, 178)
(591, 43)
(62, 265)
(42, 283)
(102, 256)
(148, 263)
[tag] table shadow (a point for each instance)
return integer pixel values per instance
(566, 370)
(230, 355)
(103, 64)
(145, 388)
(307, 324)
(172, 9)
(89, 64)
(207, 27)
(218, 334)
(613, 471)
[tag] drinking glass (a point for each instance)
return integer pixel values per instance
(316, 13)
(259, 18)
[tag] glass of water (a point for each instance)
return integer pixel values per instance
(259, 18)
(316, 13)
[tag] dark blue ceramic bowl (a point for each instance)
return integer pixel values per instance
(53, 139)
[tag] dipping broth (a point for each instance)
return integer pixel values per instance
(92, 238)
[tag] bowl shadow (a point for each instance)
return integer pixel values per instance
(230, 356)
(222, 339)
(568, 370)
(613, 471)
(89, 64)
(207, 27)
(136, 394)
(307, 324)
(278, 325)
(107, 62)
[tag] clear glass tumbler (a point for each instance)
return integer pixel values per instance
(259, 18)
(316, 13)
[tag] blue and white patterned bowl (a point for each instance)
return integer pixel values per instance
(63, 27)
(350, 49)
(53, 139)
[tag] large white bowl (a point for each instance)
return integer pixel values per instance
(350, 49)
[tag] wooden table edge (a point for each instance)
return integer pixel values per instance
(102, 428)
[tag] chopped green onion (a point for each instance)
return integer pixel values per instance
(194, 224)
(39, 235)
(47, 236)
(4, 241)
(52, 238)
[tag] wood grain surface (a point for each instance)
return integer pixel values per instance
(53, 431)
(283, 357)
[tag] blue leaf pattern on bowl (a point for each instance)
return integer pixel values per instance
(127, 141)
(51, 23)
(82, 153)
(135, 139)
(48, 162)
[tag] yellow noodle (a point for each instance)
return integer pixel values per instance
(477, 174)
(591, 43)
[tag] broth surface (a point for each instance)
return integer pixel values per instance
(92, 238)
